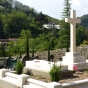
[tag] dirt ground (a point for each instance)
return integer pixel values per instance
(79, 75)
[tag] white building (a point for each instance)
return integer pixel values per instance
(51, 26)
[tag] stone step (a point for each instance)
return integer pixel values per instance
(32, 83)
(79, 59)
(72, 53)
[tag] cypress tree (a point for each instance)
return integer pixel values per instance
(65, 27)
(27, 46)
(66, 10)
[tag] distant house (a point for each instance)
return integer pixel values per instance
(5, 41)
(12, 39)
(51, 26)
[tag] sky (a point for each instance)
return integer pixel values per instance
(54, 8)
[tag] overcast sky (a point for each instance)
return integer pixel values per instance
(54, 8)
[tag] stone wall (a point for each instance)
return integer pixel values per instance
(59, 53)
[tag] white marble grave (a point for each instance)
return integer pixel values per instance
(43, 65)
(74, 58)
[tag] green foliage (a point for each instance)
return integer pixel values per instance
(10, 49)
(5, 4)
(80, 35)
(19, 67)
(33, 46)
(84, 21)
(66, 10)
(64, 36)
(2, 34)
(25, 34)
(19, 47)
(50, 19)
(84, 43)
(46, 42)
(40, 77)
(2, 51)
(65, 27)
(20, 17)
(14, 20)
(55, 73)
(27, 46)
(87, 71)
(41, 18)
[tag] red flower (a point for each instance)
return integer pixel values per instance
(75, 68)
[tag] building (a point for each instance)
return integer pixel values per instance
(6, 41)
(51, 26)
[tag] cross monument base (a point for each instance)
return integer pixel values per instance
(74, 58)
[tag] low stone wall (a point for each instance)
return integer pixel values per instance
(59, 53)
(10, 80)
(76, 84)
(6, 84)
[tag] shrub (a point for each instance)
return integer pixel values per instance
(55, 73)
(87, 71)
(40, 77)
(19, 67)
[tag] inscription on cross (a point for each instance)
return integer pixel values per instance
(73, 20)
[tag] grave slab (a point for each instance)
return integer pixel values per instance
(42, 68)
(43, 65)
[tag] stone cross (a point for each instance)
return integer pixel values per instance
(73, 20)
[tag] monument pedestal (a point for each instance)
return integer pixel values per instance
(74, 58)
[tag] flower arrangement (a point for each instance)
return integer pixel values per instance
(75, 68)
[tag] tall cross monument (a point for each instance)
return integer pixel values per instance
(73, 20)
(73, 58)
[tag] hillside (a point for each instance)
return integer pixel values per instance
(15, 16)
(84, 21)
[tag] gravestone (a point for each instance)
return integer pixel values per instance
(43, 65)
(42, 68)
(74, 58)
